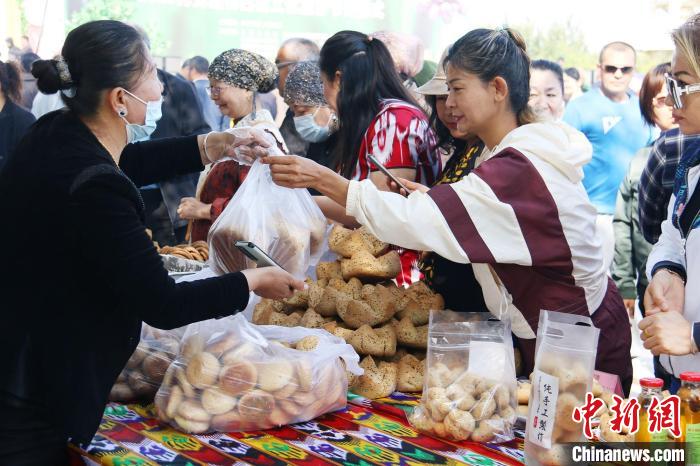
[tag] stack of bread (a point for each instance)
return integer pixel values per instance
(144, 371)
(198, 251)
(231, 381)
(354, 298)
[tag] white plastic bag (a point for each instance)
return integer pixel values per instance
(567, 345)
(144, 372)
(285, 223)
(470, 388)
(232, 375)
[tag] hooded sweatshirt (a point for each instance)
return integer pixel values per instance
(522, 217)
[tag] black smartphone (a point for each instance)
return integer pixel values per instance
(383, 169)
(257, 255)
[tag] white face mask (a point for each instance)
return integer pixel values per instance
(309, 130)
(136, 132)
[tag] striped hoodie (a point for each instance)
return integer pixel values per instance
(523, 218)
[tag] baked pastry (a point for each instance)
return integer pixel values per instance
(411, 372)
(410, 335)
(366, 267)
(308, 343)
(374, 342)
(256, 404)
(376, 307)
(274, 375)
(311, 319)
(328, 270)
(238, 377)
(203, 370)
(216, 401)
(378, 381)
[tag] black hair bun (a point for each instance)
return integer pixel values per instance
(47, 78)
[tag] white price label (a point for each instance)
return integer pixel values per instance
(543, 408)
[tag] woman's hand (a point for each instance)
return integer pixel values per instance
(666, 292)
(667, 333)
(272, 282)
(292, 171)
(411, 185)
(246, 146)
(629, 305)
(192, 209)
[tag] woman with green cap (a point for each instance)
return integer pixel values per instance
(235, 77)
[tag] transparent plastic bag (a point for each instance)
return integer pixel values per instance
(469, 391)
(564, 361)
(285, 223)
(232, 375)
(144, 372)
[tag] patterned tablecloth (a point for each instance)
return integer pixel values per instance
(365, 433)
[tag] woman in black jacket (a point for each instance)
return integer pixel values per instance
(79, 273)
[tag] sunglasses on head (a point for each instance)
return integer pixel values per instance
(676, 90)
(614, 69)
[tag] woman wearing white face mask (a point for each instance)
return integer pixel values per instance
(72, 322)
(313, 119)
(235, 77)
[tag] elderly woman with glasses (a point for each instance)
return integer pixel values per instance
(236, 77)
(672, 325)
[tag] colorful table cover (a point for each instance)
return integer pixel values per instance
(367, 432)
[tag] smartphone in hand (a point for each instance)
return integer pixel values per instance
(257, 255)
(384, 170)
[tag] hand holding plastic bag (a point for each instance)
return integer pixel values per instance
(253, 142)
(285, 223)
(231, 375)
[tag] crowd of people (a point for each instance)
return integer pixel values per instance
(519, 192)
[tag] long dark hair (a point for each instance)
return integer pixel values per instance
(488, 53)
(367, 77)
(100, 55)
(10, 81)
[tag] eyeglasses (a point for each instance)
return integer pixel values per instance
(614, 69)
(215, 91)
(676, 90)
(284, 64)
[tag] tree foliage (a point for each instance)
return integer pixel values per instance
(559, 41)
(120, 10)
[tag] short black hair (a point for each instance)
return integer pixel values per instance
(546, 65)
(573, 73)
(199, 63)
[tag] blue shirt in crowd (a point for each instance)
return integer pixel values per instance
(616, 132)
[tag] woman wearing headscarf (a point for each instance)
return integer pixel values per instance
(313, 119)
(235, 77)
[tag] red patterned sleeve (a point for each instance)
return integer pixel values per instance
(400, 137)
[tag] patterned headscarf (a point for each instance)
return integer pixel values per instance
(245, 70)
(303, 85)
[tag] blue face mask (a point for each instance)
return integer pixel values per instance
(310, 131)
(136, 132)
